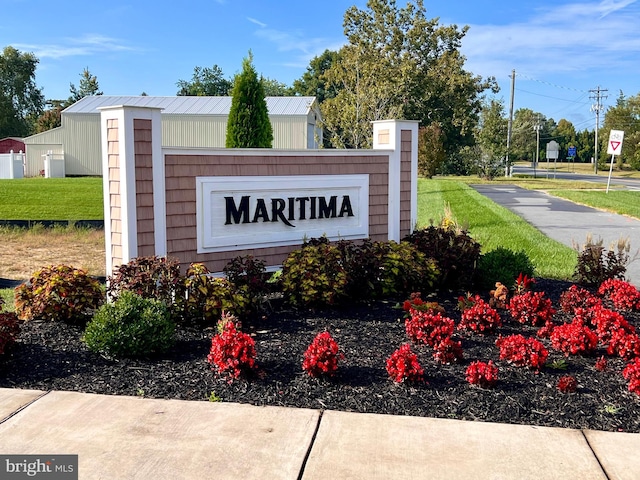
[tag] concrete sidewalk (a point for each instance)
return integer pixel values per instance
(134, 438)
(567, 222)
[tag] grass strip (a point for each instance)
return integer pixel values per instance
(41, 198)
(7, 295)
(493, 226)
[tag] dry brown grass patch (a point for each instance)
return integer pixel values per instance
(25, 251)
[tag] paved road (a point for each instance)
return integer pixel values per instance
(566, 221)
(630, 183)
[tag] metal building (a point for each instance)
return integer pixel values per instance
(186, 122)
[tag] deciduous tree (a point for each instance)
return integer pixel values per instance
(490, 137)
(397, 63)
(523, 134)
(313, 82)
(431, 154)
(205, 82)
(21, 101)
(625, 116)
(565, 135)
(274, 88)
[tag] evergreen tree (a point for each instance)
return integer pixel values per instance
(248, 125)
(88, 86)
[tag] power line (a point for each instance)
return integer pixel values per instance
(554, 98)
(551, 84)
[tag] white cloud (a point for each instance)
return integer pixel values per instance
(88, 44)
(567, 38)
(257, 22)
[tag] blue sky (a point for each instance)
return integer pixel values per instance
(559, 49)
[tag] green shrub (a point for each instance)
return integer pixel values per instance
(149, 277)
(455, 252)
(132, 326)
(404, 269)
(361, 261)
(248, 273)
(504, 266)
(596, 264)
(207, 297)
(314, 275)
(59, 293)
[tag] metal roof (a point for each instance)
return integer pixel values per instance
(191, 105)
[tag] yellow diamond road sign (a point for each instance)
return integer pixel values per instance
(615, 142)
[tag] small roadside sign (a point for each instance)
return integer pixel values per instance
(572, 151)
(615, 142)
(615, 147)
(552, 154)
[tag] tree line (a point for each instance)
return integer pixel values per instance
(490, 149)
(396, 63)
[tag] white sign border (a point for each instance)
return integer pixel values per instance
(206, 185)
(615, 135)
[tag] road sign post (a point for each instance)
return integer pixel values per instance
(572, 156)
(614, 148)
(552, 153)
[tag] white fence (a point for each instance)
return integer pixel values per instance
(53, 165)
(12, 165)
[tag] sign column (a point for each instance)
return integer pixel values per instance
(124, 143)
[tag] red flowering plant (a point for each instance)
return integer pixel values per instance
(427, 327)
(524, 283)
(577, 297)
(622, 294)
(624, 344)
(601, 364)
(604, 321)
(485, 375)
(567, 384)
(232, 352)
(322, 356)
(522, 352)
(403, 365)
(447, 351)
(574, 338)
(632, 373)
(532, 308)
(613, 331)
(480, 317)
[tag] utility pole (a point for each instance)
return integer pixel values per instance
(510, 124)
(597, 107)
(537, 128)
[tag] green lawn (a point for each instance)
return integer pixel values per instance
(51, 199)
(492, 225)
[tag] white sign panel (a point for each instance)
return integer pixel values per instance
(237, 213)
(615, 142)
(553, 148)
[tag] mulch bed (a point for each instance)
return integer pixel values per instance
(52, 356)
